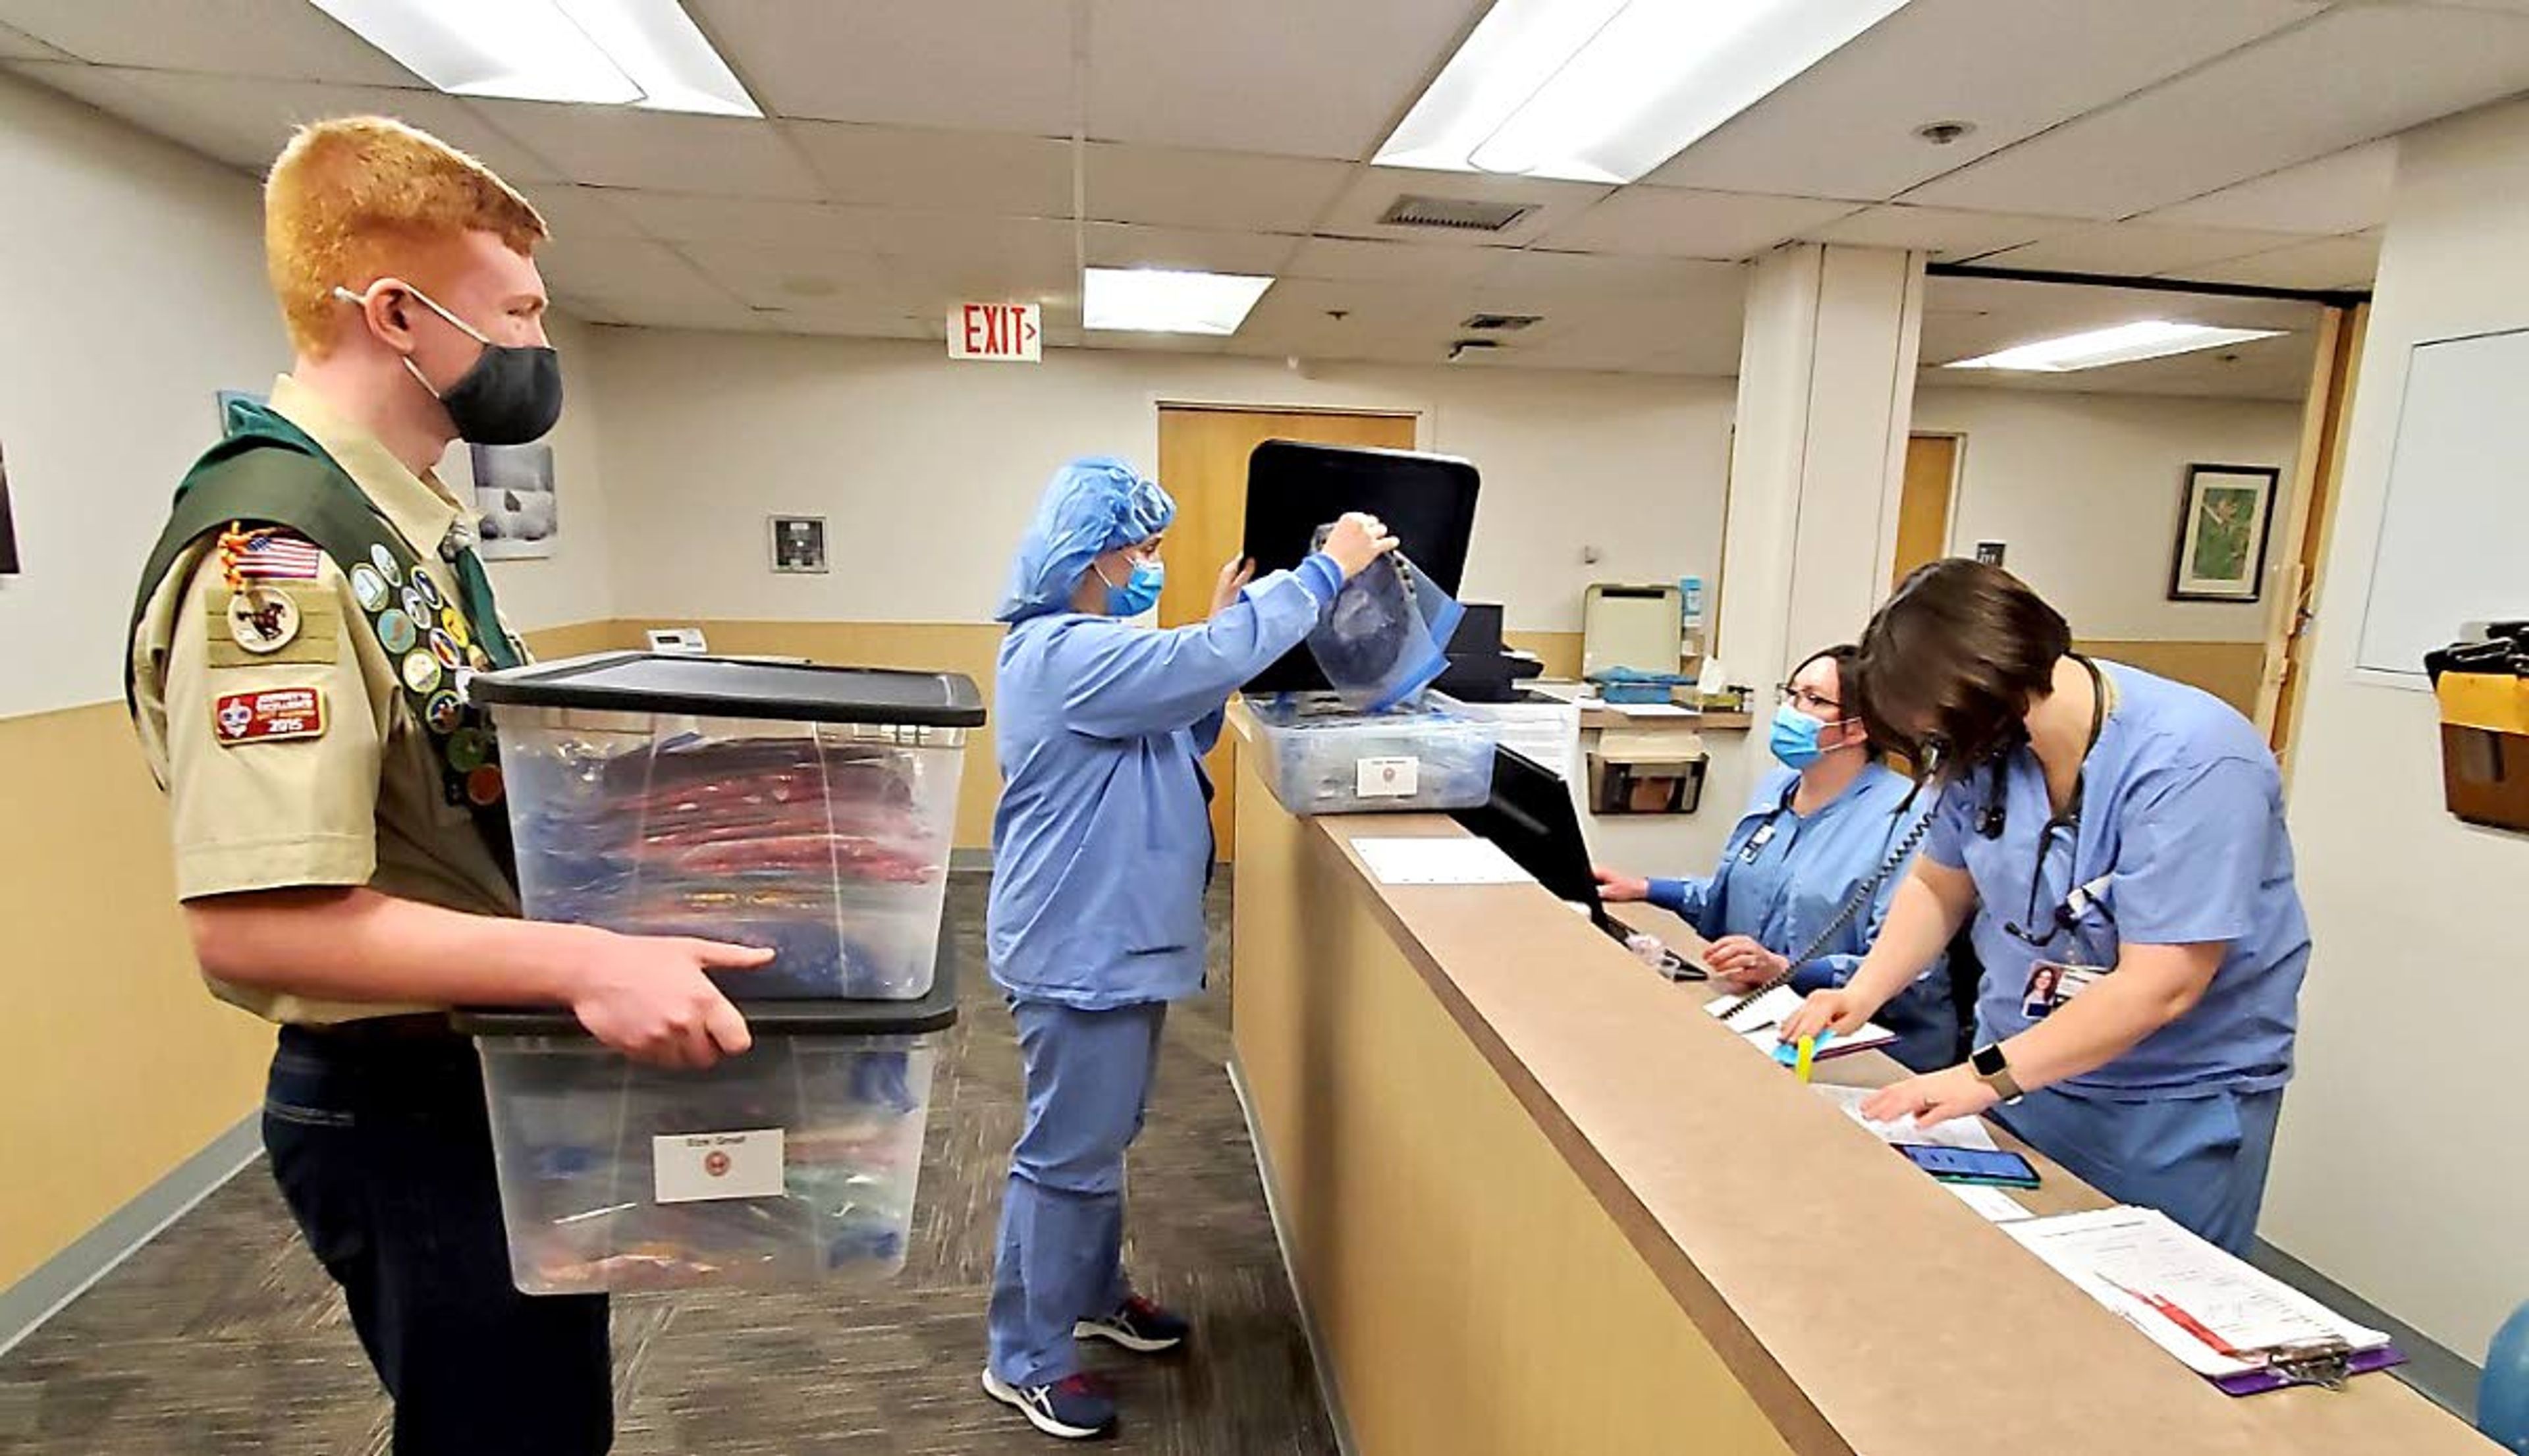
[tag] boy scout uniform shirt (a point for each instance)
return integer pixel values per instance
(359, 802)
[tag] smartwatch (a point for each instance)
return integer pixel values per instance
(1993, 1069)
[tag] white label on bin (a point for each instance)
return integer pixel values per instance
(693, 1167)
(1385, 778)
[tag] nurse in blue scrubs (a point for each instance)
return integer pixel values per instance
(2117, 842)
(1814, 832)
(1101, 849)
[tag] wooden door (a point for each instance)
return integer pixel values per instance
(2292, 581)
(1202, 463)
(1923, 511)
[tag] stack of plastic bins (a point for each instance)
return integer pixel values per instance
(804, 808)
(1321, 757)
(795, 1161)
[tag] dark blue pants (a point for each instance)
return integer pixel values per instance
(383, 1150)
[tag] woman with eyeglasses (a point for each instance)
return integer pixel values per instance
(2115, 842)
(1814, 831)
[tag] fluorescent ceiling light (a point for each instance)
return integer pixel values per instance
(1154, 300)
(2147, 339)
(1605, 90)
(642, 53)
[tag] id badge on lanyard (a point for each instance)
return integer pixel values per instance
(2052, 983)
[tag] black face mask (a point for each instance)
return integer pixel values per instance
(510, 395)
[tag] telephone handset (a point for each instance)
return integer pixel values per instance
(1934, 750)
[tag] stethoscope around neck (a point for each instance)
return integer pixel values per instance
(1994, 816)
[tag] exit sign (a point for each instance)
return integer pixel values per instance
(995, 330)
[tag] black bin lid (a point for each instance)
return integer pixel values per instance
(937, 1012)
(1428, 501)
(734, 688)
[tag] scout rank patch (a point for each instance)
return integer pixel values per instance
(269, 717)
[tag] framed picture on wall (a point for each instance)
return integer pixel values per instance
(798, 543)
(514, 489)
(2222, 526)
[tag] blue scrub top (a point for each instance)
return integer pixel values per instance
(1782, 877)
(2181, 826)
(1103, 841)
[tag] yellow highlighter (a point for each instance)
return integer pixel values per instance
(1808, 1056)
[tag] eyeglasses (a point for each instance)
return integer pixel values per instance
(1808, 701)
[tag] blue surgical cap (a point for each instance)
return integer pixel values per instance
(1092, 507)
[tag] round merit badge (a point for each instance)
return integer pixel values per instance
(444, 648)
(422, 672)
(455, 622)
(417, 609)
(262, 621)
(443, 712)
(483, 786)
(384, 560)
(428, 588)
(395, 632)
(467, 750)
(368, 587)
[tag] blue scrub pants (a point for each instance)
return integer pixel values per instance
(1062, 1218)
(2200, 1159)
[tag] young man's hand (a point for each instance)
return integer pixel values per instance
(647, 997)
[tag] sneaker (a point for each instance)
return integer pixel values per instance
(1137, 1324)
(1074, 1408)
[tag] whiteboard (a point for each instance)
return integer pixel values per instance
(2454, 529)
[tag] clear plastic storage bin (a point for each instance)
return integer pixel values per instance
(804, 808)
(1324, 758)
(793, 1162)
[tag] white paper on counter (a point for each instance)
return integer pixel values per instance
(1995, 1205)
(1958, 1132)
(1440, 862)
(1772, 1009)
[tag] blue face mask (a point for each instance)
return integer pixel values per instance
(1795, 738)
(1140, 591)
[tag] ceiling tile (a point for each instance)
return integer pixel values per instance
(945, 171)
(244, 122)
(623, 270)
(1845, 126)
(784, 277)
(669, 151)
(1546, 276)
(1676, 223)
(1943, 232)
(2335, 194)
(581, 212)
(681, 217)
(17, 45)
(1355, 212)
(944, 258)
(2325, 263)
(1355, 260)
(2133, 250)
(1170, 186)
(713, 312)
(282, 39)
(981, 65)
(1302, 78)
(1116, 245)
(2384, 68)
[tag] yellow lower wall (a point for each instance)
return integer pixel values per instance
(122, 1066)
(2228, 670)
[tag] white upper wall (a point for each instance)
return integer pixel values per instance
(2397, 1168)
(132, 289)
(2085, 489)
(928, 470)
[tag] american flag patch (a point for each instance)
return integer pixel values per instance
(275, 557)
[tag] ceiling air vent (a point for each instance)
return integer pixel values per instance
(1455, 214)
(1500, 323)
(1477, 346)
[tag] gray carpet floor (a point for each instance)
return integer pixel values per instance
(224, 1336)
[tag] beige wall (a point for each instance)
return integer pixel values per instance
(2398, 1170)
(928, 470)
(2085, 489)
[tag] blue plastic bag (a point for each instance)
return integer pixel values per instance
(1386, 637)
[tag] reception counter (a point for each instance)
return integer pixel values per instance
(1536, 1203)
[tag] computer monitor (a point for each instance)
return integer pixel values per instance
(1529, 817)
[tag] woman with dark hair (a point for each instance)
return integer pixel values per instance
(2115, 842)
(1814, 832)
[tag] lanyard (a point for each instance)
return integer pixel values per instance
(2082, 895)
